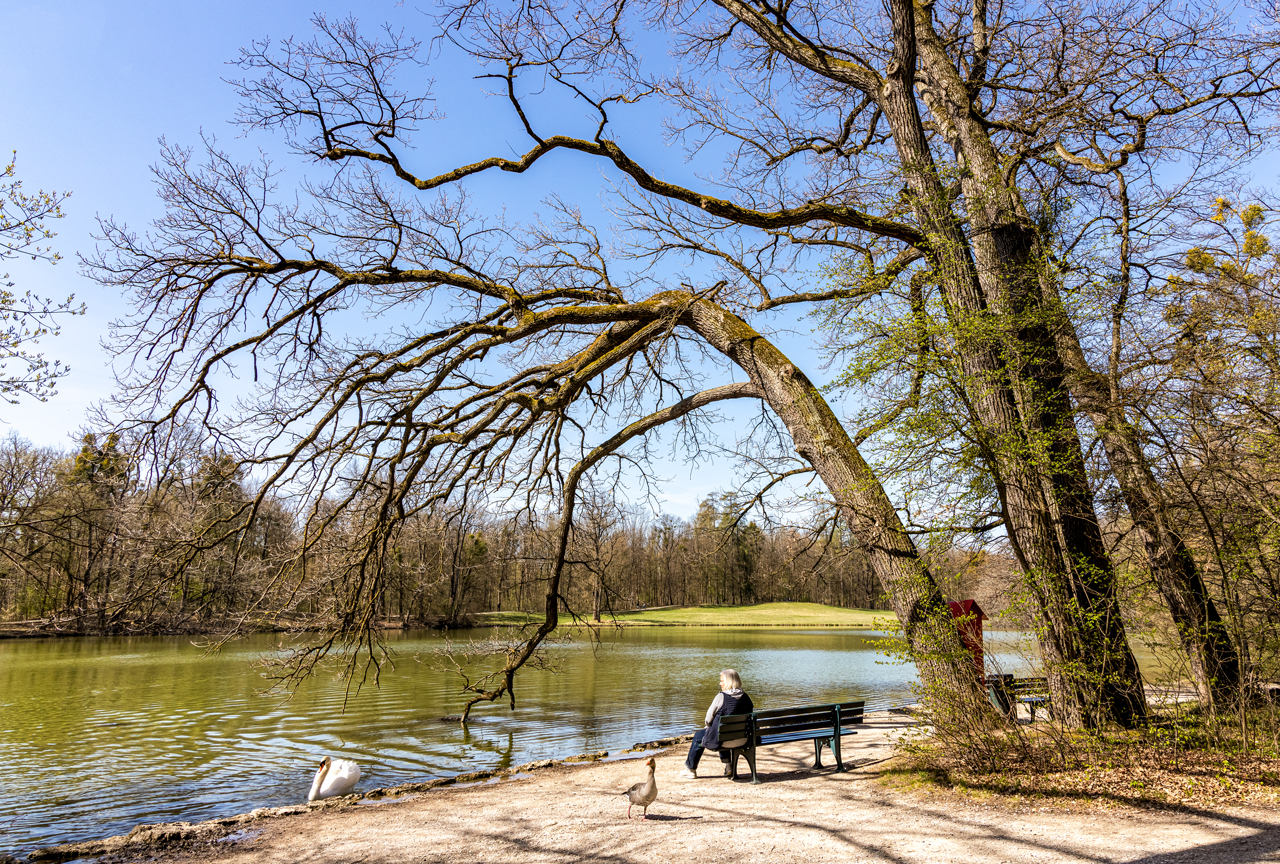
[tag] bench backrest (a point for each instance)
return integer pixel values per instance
(851, 712)
(1028, 685)
(785, 721)
(734, 726)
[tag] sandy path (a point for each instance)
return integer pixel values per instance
(571, 813)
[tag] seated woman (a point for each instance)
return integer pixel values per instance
(730, 700)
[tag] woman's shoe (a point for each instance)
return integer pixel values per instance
(729, 772)
(686, 774)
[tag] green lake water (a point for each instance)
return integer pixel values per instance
(100, 734)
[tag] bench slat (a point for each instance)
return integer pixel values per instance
(779, 728)
(857, 703)
(765, 740)
(791, 712)
(805, 717)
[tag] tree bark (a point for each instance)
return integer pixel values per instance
(1082, 628)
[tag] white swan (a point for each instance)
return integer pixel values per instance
(335, 777)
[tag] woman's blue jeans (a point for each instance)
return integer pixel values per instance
(695, 751)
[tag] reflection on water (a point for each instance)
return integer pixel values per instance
(99, 734)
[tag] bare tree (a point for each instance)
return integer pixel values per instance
(533, 342)
(1013, 375)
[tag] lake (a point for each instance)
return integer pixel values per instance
(100, 734)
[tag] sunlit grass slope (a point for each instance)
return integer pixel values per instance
(760, 615)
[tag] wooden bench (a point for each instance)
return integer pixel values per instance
(1005, 692)
(822, 724)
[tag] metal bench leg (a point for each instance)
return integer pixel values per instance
(817, 752)
(835, 748)
(751, 761)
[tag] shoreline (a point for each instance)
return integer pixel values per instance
(621, 625)
(212, 631)
(53, 634)
(149, 835)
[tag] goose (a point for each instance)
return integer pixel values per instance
(643, 794)
(335, 777)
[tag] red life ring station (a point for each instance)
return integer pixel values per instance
(969, 617)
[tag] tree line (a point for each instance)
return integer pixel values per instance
(98, 541)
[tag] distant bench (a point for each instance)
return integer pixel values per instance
(821, 724)
(1005, 690)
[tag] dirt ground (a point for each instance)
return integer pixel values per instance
(576, 813)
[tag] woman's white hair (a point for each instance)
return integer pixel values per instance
(730, 677)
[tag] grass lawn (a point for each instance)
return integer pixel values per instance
(760, 615)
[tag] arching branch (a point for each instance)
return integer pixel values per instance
(520, 655)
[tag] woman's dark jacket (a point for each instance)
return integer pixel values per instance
(740, 704)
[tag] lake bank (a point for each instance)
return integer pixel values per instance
(44, 629)
(565, 812)
(783, 614)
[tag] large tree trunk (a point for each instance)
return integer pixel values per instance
(1013, 380)
(821, 439)
(1052, 369)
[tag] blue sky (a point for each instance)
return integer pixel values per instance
(91, 86)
